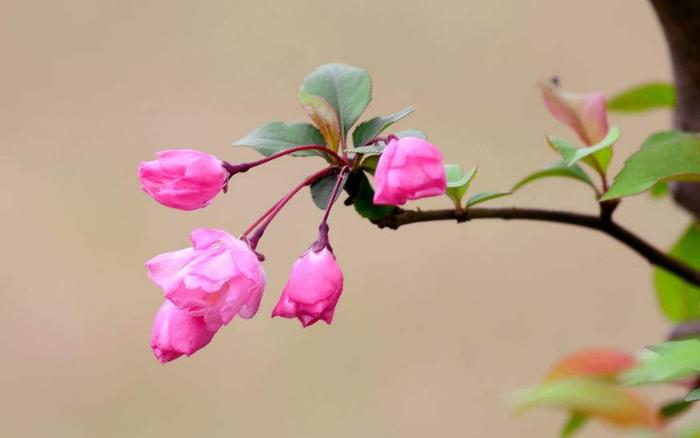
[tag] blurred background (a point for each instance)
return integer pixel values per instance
(438, 323)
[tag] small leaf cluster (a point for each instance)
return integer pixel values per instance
(335, 96)
(663, 158)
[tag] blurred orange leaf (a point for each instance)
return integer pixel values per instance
(595, 362)
(591, 396)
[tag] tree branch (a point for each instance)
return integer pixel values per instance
(604, 224)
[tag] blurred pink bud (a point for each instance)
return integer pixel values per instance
(409, 168)
(313, 288)
(584, 113)
(183, 178)
(176, 333)
(219, 277)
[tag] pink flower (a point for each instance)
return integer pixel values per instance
(185, 179)
(217, 278)
(313, 288)
(176, 333)
(409, 168)
(584, 113)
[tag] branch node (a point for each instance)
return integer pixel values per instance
(607, 208)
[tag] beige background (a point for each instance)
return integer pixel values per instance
(438, 323)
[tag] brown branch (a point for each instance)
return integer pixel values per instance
(604, 224)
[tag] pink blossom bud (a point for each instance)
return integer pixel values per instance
(584, 113)
(313, 288)
(218, 278)
(176, 333)
(183, 178)
(409, 168)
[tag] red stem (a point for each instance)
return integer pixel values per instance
(269, 216)
(343, 145)
(334, 194)
(260, 219)
(243, 167)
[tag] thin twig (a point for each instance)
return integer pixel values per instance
(606, 225)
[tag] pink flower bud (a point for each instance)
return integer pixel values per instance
(584, 113)
(176, 333)
(217, 278)
(313, 288)
(409, 168)
(185, 179)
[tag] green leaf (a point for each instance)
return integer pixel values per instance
(659, 190)
(674, 408)
(368, 130)
(324, 117)
(573, 424)
(693, 395)
(458, 183)
(588, 396)
(485, 196)
(322, 189)
(274, 137)
(663, 156)
(691, 431)
(369, 149)
(644, 97)
(348, 89)
(597, 156)
(455, 179)
(558, 169)
(666, 362)
(363, 201)
(679, 300)
(411, 133)
(369, 163)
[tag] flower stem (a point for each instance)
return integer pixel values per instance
(233, 169)
(334, 194)
(260, 219)
(269, 215)
(322, 240)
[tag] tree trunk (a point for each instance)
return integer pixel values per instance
(680, 20)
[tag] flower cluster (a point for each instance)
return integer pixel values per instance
(220, 276)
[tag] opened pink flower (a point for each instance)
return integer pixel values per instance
(185, 179)
(584, 113)
(313, 288)
(409, 168)
(218, 278)
(175, 333)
